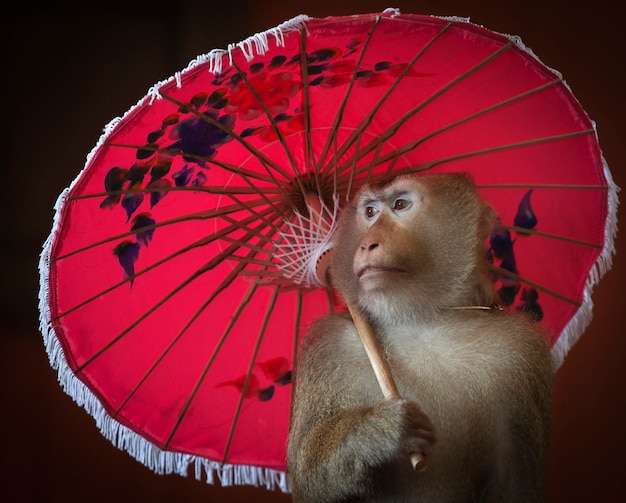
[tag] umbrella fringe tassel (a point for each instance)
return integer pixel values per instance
(239, 475)
(581, 320)
(160, 461)
(164, 462)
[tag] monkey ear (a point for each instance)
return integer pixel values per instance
(487, 221)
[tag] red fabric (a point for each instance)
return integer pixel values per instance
(145, 346)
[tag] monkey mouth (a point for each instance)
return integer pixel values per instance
(370, 270)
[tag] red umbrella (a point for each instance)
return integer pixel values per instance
(183, 265)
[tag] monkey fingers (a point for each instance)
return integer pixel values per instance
(419, 435)
(412, 429)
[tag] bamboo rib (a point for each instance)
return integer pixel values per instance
(539, 287)
(209, 189)
(199, 272)
(265, 322)
(308, 144)
(428, 165)
(372, 113)
(402, 150)
(393, 128)
(201, 215)
(270, 118)
(342, 107)
(231, 168)
(244, 302)
(521, 230)
(221, 287)
(222, 235)
(266, 161)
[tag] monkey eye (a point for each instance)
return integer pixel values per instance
(401, 204)
(371, 211)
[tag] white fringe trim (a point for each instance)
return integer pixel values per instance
(581, 320)
(259, 43)
(159, 461)
(163, 462)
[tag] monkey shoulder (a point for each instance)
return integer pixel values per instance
(333, 356)
(481, 351)
(332, 335)
(509, 337)
(503, 336)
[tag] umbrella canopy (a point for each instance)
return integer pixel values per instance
(184, 262)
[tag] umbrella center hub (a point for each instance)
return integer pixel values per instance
(304, 189)
(302, 254)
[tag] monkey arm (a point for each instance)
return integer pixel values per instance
(521, 452)
(342, 433)
(337, 456)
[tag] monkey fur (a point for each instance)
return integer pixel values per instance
(476, 385)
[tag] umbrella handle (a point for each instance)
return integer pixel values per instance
(382, 371)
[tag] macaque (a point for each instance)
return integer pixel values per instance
(475, 381)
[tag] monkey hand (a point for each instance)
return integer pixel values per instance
(411, 433)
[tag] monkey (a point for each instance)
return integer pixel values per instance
(475, 381)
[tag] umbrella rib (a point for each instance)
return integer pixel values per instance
(220, 288)
(246, 245)
(202, 159)
(201, 242)
(365, 122)
(374, 162)
(393, 128)
(266, 161)
(280, 207)
(521, 230)
(271, 119)
(201, 215)
(264, 325)
(309, 152)
(270, 224)
(510, 146)
(428, 165)
(332, 136)
(537, 286)
(209, 189)
(307, 104)
(540, 186)
(244, 302)
(207, 267)
(352, 172)
(254, 261)
(199, 272)
(414, 144)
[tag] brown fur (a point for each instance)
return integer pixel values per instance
(482, 379)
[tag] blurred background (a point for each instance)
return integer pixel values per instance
(69, 67)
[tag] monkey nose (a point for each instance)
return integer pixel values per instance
(368, 247)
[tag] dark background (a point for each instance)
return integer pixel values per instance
(70, 67)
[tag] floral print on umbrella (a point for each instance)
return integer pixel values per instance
(210, 120)
(501, 248)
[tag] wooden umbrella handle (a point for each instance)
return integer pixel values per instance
(382, 371)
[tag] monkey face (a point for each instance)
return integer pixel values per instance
(380, 256)
(386, 218)
(410, 246)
